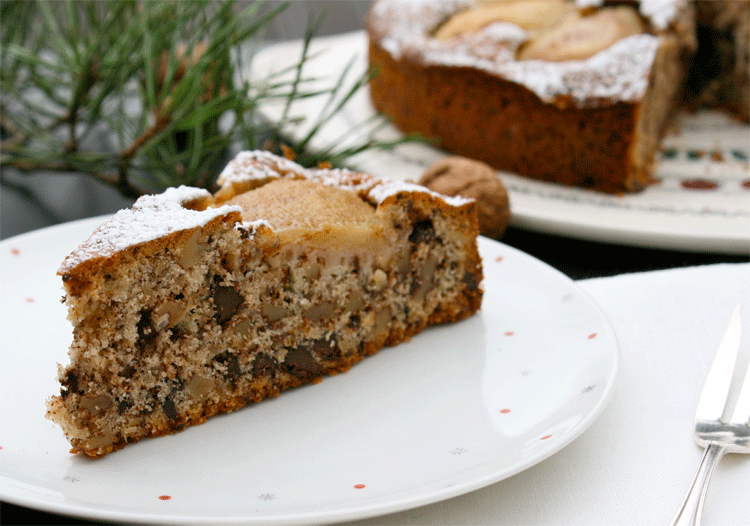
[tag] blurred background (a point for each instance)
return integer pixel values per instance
(29, 201)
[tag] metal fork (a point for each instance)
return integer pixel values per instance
(711, 431)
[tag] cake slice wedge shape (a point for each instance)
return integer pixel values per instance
(189, 304)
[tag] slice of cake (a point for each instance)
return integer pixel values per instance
(189, 305)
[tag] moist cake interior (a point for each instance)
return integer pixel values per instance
(279, 286)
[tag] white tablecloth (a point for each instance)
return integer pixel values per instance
(633, 466)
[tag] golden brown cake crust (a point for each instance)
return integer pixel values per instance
(205, 309)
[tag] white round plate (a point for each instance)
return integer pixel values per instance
(701, 204)
(458, 408)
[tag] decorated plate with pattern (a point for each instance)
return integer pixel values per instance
(701, 202)
(457, 408)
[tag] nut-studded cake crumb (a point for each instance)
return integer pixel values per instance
(242, 300)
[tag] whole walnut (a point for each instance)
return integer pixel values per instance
(468, 178)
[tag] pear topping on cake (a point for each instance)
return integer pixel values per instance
(531, 15)
(322, 215)
(579, 37)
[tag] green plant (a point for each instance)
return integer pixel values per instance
(160, 83)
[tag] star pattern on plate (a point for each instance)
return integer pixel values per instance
(459, 451)
(588, 388)
(266, 496)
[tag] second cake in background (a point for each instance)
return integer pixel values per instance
(578, 93)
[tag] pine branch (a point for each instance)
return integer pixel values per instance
(143, 95)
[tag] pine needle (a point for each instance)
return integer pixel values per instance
(159, 81)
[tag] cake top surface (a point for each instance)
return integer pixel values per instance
(306, 206)
(619, 72)
(151, 217)
(261, 165)
(303, 204)
(317, 215)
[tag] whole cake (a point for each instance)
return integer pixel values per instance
(189, 305)
(575, 92)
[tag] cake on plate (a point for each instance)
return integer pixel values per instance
(191, 304)
(577, 92)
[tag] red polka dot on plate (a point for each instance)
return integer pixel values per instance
(164, 497)
(509, 333)
(592, 336)
(498, 259)
(15, 252)
(546, 437)
(505, 411)
(359, 486)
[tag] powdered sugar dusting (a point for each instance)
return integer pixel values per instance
(180, 194)
(402, 26)
(619, 73)
(154, 216)
(589, 3)
(661, 13)
(256, 165)
(262, 165)
(495, 44)
(386, 189)
(151, 217)
(252, 226)
(356, 182)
